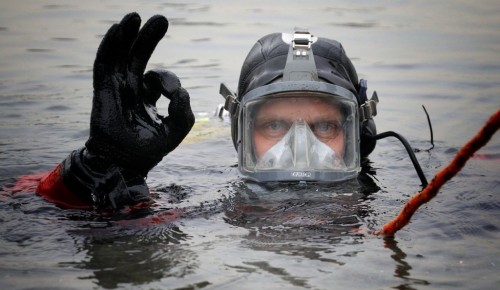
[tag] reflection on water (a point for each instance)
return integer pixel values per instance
(402, 267)
(133, 258)
(211, 229)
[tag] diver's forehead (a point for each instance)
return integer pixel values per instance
(306, 107)
(296, 99)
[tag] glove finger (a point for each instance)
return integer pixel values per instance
(142, 49)
(180, 118)
(114, 49)
(159, 82)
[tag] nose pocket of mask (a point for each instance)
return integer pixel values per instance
(280, 156)
(323, 157)
(300, 149)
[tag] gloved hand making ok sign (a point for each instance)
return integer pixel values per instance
(125, 126)
(127, 135)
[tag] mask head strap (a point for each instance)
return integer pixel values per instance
(300, 64)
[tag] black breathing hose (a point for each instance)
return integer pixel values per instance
(408, 149)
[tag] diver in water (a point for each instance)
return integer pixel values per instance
(299, 111)
(300, 115)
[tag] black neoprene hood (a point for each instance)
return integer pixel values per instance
(266, 61)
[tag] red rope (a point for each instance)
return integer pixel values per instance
(445, 174)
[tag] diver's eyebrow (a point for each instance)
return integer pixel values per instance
(329, 119)
(273, 118)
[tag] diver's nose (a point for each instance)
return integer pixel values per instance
(301, 156)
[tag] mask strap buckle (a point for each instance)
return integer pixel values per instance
(368, 110)
(232, 104)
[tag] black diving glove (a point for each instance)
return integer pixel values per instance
(127, 135)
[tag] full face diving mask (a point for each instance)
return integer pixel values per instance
(302, 136)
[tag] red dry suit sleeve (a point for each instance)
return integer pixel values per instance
(53, 189)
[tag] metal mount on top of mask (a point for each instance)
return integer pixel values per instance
(367, 108)
(302, 40)
(300, 64)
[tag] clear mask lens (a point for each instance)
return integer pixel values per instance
(299, 135)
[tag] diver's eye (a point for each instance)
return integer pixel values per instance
(273, 128)
(326, 130)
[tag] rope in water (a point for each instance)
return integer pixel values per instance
(445, 174)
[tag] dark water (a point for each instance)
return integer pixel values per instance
(236, 235)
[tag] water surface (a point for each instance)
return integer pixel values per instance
(234, 234)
